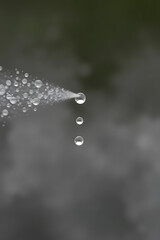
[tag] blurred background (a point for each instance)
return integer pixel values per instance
(109, 187)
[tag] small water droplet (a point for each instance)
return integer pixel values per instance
(79, 140)
(24, 109)
(24, 81)
(26, 74)
(36, 101)
(25, 95)
(8, 105)
(8, 82)
(81, 99)
(79, 120)
(2, 89)
(5, 112)
(38, 83)
(1, 68)
(13, 100)
(16, 84)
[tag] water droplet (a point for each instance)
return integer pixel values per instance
(24, 109)
(35, 101)
(35, 109)
(24, 81)
(8, 105)
(31, 91)
(81, 99)
(2, 89)
(1, 68)
(26, 74)
(38, 83)
(8, 82)
(79, 120)
(25, 95)
(16, 84)
(40, 95)
(13, 100)
(5, 112)
(79, 140)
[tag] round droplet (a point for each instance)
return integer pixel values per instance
(8, 82)
(38, 83)
(79, 140)
(24, 109)
(5, 112)
(81, 98)
(40, 95)
(13, 100)
(24, 81)
(26, 74)
(35, 101)
(8, 105)
(79, 120)
(31, 91)
(25, 95)
(16, 84)
(2, 89)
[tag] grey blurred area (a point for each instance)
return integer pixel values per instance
(109, 187)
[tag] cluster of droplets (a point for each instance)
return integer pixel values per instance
(80, 100)
(21, 92)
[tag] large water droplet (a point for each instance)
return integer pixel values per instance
(79, 120)
(79, 140)
(81, 98)
(38, 83)
(2, 89)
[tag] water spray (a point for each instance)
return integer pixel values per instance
(20, 92)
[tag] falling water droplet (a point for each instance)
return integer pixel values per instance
(81, 98)
(79, 140)
(79, 120)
